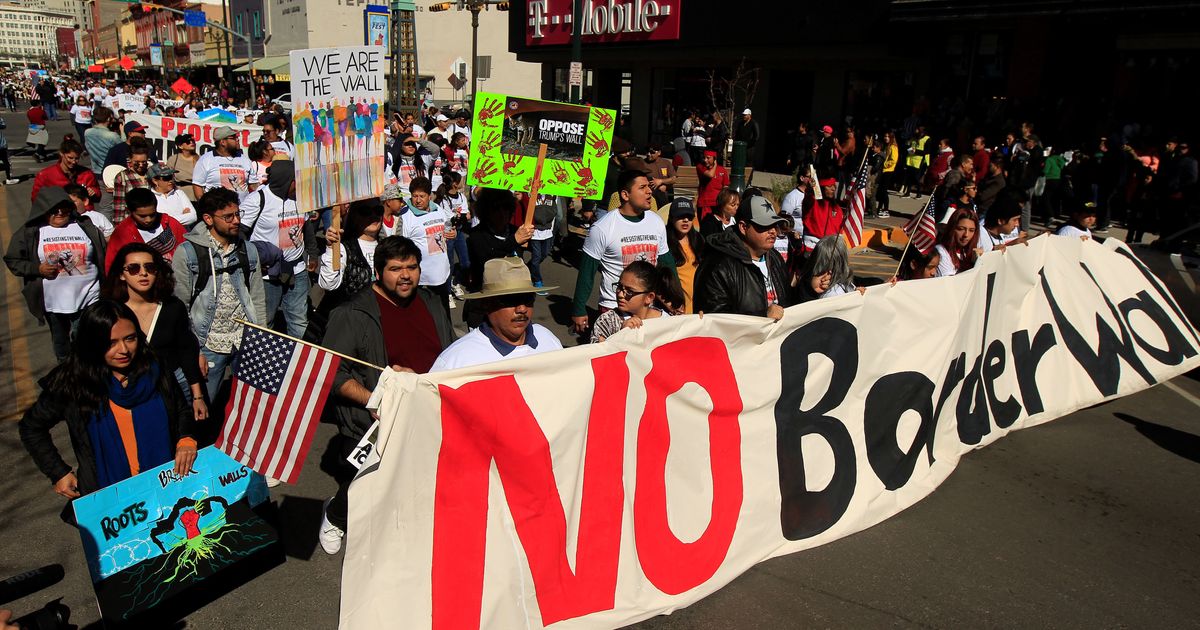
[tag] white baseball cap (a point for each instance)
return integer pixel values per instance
(746, 112)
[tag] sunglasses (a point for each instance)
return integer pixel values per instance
(61, 212)
(410, 144)
(135, 269)
(519, 299)
(619, 288)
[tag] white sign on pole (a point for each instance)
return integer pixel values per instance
(576, 78)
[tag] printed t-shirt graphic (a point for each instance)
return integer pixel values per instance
(234, 179)
(427, 231)
(77, 283)
(616, 241)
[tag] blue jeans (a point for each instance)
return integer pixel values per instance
(538, 250)
(62, 329)
(293, 299)
(459, 256)
(51, 110)
(217, 363)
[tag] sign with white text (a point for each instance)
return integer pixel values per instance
(603, 21)
(604, 484)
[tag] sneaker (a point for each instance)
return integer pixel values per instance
(539, 285)
(12, 181)
(883, 214)
(453, 303)
(331, 535)
(459, 290)
(273, 482)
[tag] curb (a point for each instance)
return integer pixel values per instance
(879, 237)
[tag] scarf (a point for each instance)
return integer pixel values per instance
(144, 404)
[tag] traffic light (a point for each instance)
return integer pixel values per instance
(441, 6)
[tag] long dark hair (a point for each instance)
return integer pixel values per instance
(694, 242)
(114, 288)
(661, 281)
(84, 375)
(914, 261)
(962, 257)
(449, 178)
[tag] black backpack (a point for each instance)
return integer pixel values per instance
(205, 270)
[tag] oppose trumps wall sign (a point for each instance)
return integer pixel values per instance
(603, 21)
(604, 484)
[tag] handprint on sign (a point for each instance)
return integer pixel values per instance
(491, 109)
(485, 170)
(560, 174)
(603, 118)
(584, 174)
(585, 191)
(510, 163)
(598, 143)
(488, 141)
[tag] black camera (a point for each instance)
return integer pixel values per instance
(54, 615)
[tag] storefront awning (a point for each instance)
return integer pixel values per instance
(271, 65)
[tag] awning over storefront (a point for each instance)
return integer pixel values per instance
(270, 65)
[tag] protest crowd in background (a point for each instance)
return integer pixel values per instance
(152, 274)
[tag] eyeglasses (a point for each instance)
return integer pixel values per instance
(515, 300)
(619, 288)
(228, 217)
(135, 269)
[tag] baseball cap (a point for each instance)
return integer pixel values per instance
(681, 207)
(220, 133)
(746, 112)
(390, 191)
(827, 129)
(759, 211)
(440, 117)
(160, 169)
(134, 127)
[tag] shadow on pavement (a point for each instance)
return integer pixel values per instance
(1181, 443)
(299, 525)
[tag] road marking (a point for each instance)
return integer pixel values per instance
(22, 372)
(1184, 394)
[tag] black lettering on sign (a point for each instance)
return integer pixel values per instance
(1004, 412)
(131, 515)
(804, 514)
(1162, 291)
(233, 476)
(887, 401)
(1026, 356)
(972, 413)
(1178, 347)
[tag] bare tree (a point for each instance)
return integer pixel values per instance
(727, 91)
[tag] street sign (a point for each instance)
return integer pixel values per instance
(156, 55)
(195, 19)
(576, 78)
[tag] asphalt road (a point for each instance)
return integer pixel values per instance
(1088, 521)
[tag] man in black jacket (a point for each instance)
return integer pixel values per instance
(392, 322)
(741, 271)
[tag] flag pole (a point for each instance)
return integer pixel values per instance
(909, 243)
(311, 345)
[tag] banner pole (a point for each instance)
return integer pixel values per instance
(336, 249)
(311, 345)
(535, 184)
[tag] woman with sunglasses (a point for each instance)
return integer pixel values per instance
(59, 254)
(143, 281)
(643, 292)
(123, 411)
(184, 163)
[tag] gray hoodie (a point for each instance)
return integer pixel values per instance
(186, 265)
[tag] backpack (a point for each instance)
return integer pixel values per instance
(205, 270)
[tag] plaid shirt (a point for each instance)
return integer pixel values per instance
(126, 181)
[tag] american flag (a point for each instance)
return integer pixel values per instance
(279, 389)
(858, 206)
(922, 228)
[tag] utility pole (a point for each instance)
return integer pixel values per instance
(228, 34)
(576, 46)
(475, 8)
(228, 44)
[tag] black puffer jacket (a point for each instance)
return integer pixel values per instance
(729, 282)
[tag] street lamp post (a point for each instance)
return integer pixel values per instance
(228, 56)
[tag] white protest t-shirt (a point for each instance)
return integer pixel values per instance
(283, 146)
(455, 205)
(428, 231)
(793, 205)
(435, 172)
(233, 173)
(82, 114)
(177, 206)
(616, 241)
(78, 280)
(329, 279)
(405, 172)
(101, 222)
(276, 221)
(1067, 229)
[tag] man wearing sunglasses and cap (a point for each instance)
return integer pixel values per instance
(741, 272)
(508, 297)
(226, 166)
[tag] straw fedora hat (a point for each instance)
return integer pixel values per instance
(505, 276)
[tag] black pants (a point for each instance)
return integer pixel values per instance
(882, 184)
(343, 474)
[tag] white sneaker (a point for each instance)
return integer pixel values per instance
(453, 304)
(459, 290)
(10, 182)
(273, 482)
(331, 535)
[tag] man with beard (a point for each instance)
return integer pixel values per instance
(507, 297)
(395, 322)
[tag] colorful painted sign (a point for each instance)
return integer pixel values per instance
(338, 118)
(508, 129)
(153, 536)
(377, 27)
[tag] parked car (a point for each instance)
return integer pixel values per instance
(284, 100)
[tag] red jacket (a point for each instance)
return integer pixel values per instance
(54, 176)
(822, 219)
(981, 159)
(710, 185)
(126, 232)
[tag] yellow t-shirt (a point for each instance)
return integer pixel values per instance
(687, 273)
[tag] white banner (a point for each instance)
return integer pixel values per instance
(162, 131)
(131, 103)
(337, 124)
(601, 485)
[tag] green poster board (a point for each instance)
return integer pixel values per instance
(506, 132)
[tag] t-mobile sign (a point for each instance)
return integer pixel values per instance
(550, 21)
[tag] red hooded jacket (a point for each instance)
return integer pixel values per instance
(127, 232)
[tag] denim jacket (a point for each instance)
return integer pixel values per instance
(253, 298)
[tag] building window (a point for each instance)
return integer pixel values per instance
(257, 26)
(237, 24)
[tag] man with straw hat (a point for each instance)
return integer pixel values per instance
(508, 296)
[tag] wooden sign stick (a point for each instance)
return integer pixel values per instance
(535, 184)
(336, 248)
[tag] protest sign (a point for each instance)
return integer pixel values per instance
(161, 132)
(506, 133)
(153, 536)
(604, 484)
(131, 103)
(338, 121)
